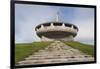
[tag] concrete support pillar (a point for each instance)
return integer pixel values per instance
(52, 25)
(63, 25)
(72, 27)
(42, 26)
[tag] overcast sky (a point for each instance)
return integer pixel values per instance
(27, 17)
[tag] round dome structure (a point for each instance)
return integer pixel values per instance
(50, 31)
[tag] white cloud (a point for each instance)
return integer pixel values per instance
(27, 17)
(30, 16)
(84, 19)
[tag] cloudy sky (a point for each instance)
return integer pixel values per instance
(27, 17)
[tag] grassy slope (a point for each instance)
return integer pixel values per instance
(24, 50)
(88, 49)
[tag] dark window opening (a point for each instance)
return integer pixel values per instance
(57, 24)
(38, 27)
(68, 25)
(47, 24)
(75, 27)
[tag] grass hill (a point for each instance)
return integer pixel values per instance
(86, 48)
(25, 49)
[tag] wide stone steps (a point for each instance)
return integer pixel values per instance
(55, 57)
(56, 52)
(55, 60)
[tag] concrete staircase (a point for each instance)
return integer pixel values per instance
(56, 52)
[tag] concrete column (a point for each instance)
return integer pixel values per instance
(72, 27)
(52, 25)
(42, 26)
(63, 25)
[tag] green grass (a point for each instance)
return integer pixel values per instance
(85, 48)
(25, 49)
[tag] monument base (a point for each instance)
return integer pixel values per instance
(69, 38)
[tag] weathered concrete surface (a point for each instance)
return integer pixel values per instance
(56, 52)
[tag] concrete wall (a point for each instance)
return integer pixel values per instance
(56, 28)
(43, 30)
(69, 38)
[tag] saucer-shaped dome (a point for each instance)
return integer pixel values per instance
(56, 30)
